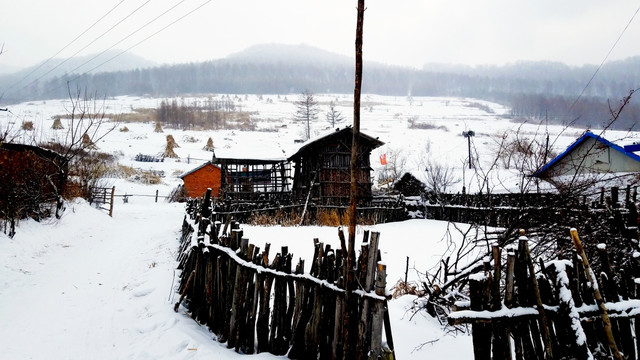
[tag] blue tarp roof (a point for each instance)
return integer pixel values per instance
(585, 136)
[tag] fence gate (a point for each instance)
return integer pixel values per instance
(102, 198)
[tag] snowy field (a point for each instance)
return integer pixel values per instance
(91, 286)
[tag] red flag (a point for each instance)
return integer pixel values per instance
(383, 159)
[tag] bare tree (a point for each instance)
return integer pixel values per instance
(87, 124)
(396, 164)
(306, 110)
(439, 178)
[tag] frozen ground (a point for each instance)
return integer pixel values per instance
(91, 286)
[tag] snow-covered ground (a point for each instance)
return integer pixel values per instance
(91, 286)
(385, 117)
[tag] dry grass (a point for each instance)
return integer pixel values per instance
(324, 217)
(330, 218)
(405, 288)
(126, 171)
(27, 126)
(280, 217)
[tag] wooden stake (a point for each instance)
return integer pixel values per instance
(596, 293)
(543, 319)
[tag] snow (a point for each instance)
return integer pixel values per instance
(91, 286)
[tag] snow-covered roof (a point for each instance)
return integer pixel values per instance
(196, 169)
(375, 141)
(587, 135)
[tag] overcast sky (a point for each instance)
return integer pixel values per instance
(404, 32)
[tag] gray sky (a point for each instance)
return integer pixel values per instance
(404, 32)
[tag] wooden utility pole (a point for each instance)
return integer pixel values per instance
(349, 320)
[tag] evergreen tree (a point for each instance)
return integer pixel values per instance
(334, 116)
(306, 109)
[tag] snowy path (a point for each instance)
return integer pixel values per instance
(97, 288)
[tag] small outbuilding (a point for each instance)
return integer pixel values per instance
(322, 168)
(590, 154)
(198, 180)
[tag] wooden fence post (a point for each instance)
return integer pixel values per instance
(599, 301)
(377, 320)
(572, 341)
(481, 337)
(546, 336)
(113, 190)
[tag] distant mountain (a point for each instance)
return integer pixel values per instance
(109, 61)
(294, 54)
(8, 69)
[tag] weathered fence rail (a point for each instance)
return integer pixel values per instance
(551, 310)
(102, 198)
(255, 303)
(531, 210)
(243, 212)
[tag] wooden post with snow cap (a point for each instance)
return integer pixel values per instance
(596, 293)
(377, 319)
(481, 337)
(571, 340)
(546, 334)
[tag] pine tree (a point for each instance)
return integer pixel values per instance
(334, 116)
(306, 109)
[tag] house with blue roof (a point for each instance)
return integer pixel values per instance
(591, 154)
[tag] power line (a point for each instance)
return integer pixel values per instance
(139, 42)
(596, 72)
(604, 60)
(150, 36)
(89, 44)
(123, 39)
(61, 50)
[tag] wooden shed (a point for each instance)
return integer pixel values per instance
(198, 180)
(322, 168)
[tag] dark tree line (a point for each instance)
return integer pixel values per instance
(530, 88)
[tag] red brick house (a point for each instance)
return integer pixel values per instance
(198, 180)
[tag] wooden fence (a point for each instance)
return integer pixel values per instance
(530, 210)
(554, 310)
(244, 212)
(102, 198)
(258, 304)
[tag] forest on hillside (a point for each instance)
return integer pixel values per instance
(547, 91)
